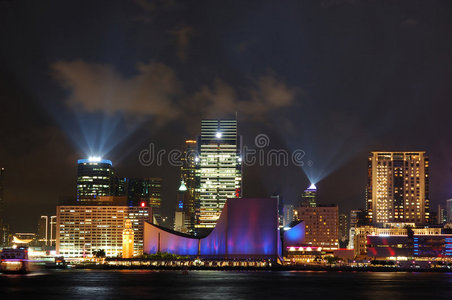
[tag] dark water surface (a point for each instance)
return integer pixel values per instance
(83, 284)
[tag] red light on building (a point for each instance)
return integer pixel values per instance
(143, 204)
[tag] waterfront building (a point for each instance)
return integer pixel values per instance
(83, 229)
(95, 177)
(398, 187)
(247, 229)
(406, 246)
(128, 239)
(362, 233)
(309, 196)
(322, 225)
(219, 171)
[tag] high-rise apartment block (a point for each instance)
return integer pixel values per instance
(398, 188)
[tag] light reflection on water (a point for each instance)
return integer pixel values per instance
(226, 285)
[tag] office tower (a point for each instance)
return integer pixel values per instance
(343, 228)
(308, 197)
(321, 225)
(147, 190)
(219, 171)
(187, 190)
(128, 237)
(95, 177)
(398, 188)
(449, 210)
(83, 229)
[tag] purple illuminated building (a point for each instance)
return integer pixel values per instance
(247, 228)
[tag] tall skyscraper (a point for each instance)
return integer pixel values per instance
(187, 190)
(308, 197)
(143, 190)
(219, 170)
(95, 177)
(398, 188)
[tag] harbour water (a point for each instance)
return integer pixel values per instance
(134, 284)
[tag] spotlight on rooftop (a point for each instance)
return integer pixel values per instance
(94, 158)
(312, 187)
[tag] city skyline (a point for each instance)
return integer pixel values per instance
(302, 73)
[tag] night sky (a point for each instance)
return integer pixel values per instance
(335, 78)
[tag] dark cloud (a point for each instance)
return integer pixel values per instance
(101, 88)
(156, 92)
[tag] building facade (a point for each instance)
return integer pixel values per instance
(398, 187)
(95, 177)
(322, 226)
(343, 229)
(46, 233)
(143, 190)
(82, 229)
(309, 196)
(362, 233)
(449, 210)
(247, 229)
(219, 171)
(187, 192)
